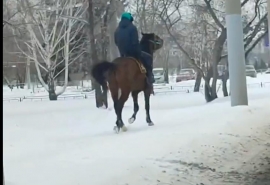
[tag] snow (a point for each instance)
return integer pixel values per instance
(71, 142)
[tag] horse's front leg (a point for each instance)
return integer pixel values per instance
(135, 106)
(147, 94)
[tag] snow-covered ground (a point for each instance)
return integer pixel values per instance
(71, 142)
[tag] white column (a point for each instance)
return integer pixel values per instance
(236, 53)
(268, 10)
(3, 176)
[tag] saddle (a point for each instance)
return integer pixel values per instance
(140, 65)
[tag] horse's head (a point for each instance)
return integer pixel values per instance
(154, 41)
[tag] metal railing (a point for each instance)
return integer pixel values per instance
(158, 89)
(46, 97)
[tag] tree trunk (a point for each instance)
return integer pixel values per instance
(7, 82)
(98, 95)
(208, 90)
(224, 79)
(166, 71)
(51, 87)
(105, 49)
(198, 82)
(28, 74)
(20, 73)
(166, 76)
(97, 87)
(211, 93)
(224, 86)
(92, 85)
(116, 8)
(52, 96)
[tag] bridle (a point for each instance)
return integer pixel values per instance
(156, 43)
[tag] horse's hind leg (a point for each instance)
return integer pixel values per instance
(117, 127)
(114, 94)
(147, 94)
(118, 106)
(136, 106)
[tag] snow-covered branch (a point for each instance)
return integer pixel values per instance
(54, 31)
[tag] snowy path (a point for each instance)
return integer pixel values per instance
(70, 142)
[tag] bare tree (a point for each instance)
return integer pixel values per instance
(11, 56)
(94, 54)
(179, 31)
(146, 14)
(104, 16)
(146, 18)
(175, 20)
(251, 30)
(163, 56)
(115, 10)
(53, 30)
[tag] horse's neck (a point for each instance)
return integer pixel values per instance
(146, 48)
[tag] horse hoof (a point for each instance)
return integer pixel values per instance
(116, 129)
(124, 128)
(131, 120)
(151, 124)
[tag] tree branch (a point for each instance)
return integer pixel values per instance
(212, 13)
(257, 28)
(255, 43)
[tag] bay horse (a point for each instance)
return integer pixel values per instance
(126, 75)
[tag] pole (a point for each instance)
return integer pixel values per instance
(3, 176)
(268, 10)
(236, 53)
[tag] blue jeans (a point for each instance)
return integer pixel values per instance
(147, 61)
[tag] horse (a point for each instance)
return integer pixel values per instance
(126, 75)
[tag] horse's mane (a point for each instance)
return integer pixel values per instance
(146, 37)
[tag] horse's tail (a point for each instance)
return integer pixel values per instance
(98, 71)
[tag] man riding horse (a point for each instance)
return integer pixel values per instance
(126, 38)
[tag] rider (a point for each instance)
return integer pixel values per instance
(127, 40)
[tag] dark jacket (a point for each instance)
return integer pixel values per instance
(127, 40)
